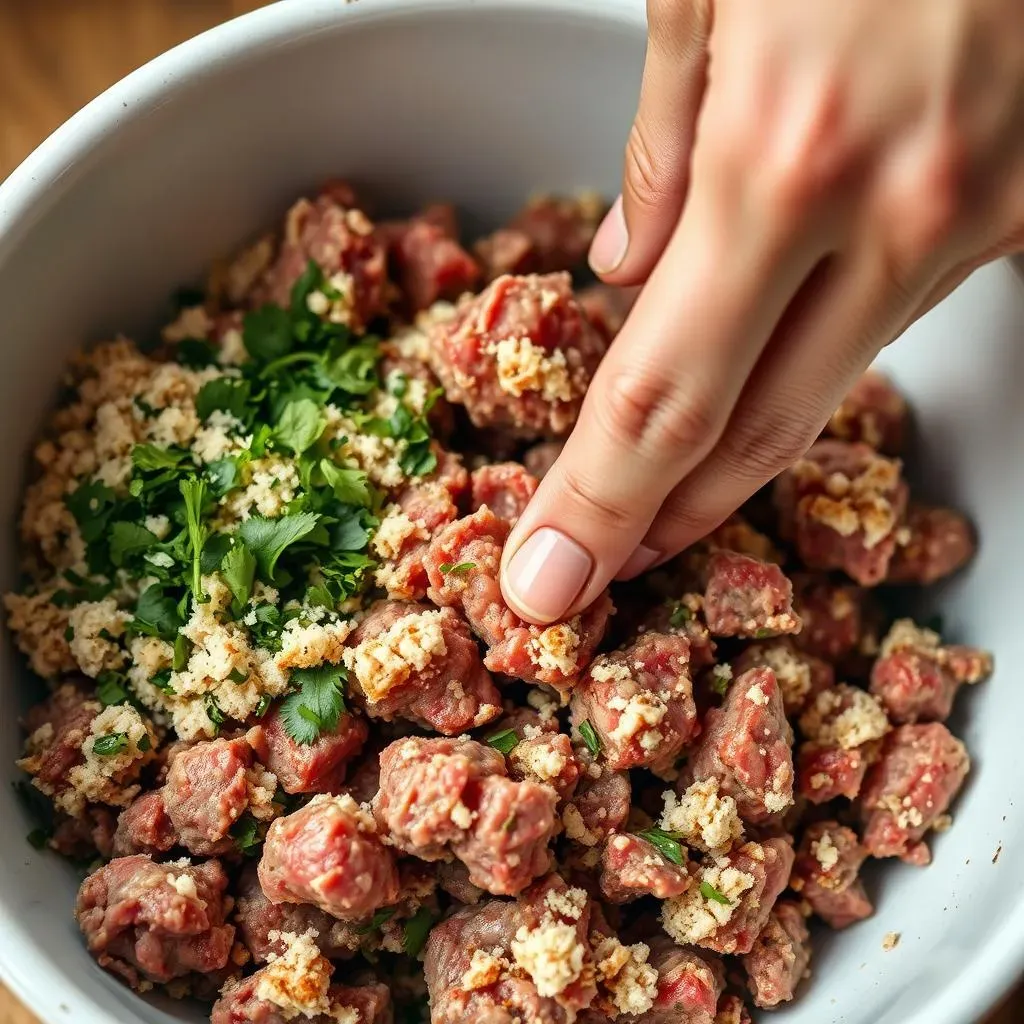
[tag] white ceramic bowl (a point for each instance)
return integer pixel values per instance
(480, 101)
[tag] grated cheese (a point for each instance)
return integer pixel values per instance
(705, 819)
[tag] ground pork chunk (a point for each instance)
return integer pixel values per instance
(935, 543)
(504, 487)
(835, 616)
(548, 759)
(409, 661)
(916, 677)
(599, 806)
(780, 957)
(746, 746)
(144, 826)
(874, 412)
(519, 356)
(731, 1010)
(800, 675)
(688, 986)
(439, 796)
(826, 874)
(639, 701)
(463, 564)
(152, 922)
(746, 597)
(329, 854)
(919, 772)
(632, 867)
(843, 505)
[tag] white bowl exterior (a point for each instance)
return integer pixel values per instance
(480, 101)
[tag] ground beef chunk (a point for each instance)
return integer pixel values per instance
(519, 356)
(639, 701)
(738, 535)
(549, 759)
(156, 922)
(731, 1010)
(746, 597)
(256, 918)
(504, 487)
(453, 878)
(688, 986)
(873, 412)
(843, 725)
(801, 676)
(420, 510)
(731, 898)
(541, 457)
(607, 307)
(438, 795)
(632, 867)
(683, 617)
(916, 677)
(409, 661)
(209, 787)
(780, 957)
(935, 543)
(599, 807)
(843, 504)
(835, 616)
(550, 233)
(329, 854)
(504, 961)
(826, 874)
(317, 767)
(554, 654)
(921, 769)
(429, 262)
(144, 826)
(56, 729)
(341, 241)
(85, 837)
(746, 746)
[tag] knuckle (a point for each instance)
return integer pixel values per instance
(653, 416)
(582, 492)
(645, 177)
(762, 447)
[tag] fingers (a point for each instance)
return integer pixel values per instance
(659, 401)
(846, 314)
(640, 223)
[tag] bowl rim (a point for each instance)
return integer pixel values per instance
(28, 192)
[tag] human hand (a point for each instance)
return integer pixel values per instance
(803, 180)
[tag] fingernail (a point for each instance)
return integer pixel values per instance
(608, 249)
(641, 559)
(546, 573)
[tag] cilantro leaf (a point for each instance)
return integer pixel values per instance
(196, 353)
(504, 741)
(352, 530)
(152, 458)
(268, 538)
(112, 743)
(307, 282)
(679, 616)
(156, 614)
(666, 843)
(709, 892)
(586, 731)
(381, 917)
(417, 929)
(764, 634)
(246, 834)
(301, 423)
(267, 333)
(182, 651)
(354, 369)
(317, 705)
(213, 711)
(92, 505)
(239, 570)
(349, 485)
(228, 394)
(194, 493)
(129, 539)
(721, 676)
(223, 475)
(451, 569)
(38, 838)
(216, 547)
(110, 689)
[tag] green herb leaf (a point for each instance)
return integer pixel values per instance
(213, 711)
(196, 353)
(246, 834)
(91, 505)
(319, 597)
(193, 491)
(381, 917)
(182, 651)
(417, 929)
(764, 634)
(680, 616)
(267, 333)
(349, 485)
(267, 539)
(129, 539)
(308, 281)
(352, 530)
(239, 570)
(216, 547)
(110, 689)
(38, 838)
(112, 743)
(449, 569)
(504, 741)
(144, 744)
(223, 475)
(721, 676)
(666, 843)
(353, 370)
(150, 458)
(156, 614)
(162, 681)
(317, 705)
(586, 731)
(301, 423)
(262, 706)
(228, 394)
(709, 892)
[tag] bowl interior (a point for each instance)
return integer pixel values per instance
(481, 103)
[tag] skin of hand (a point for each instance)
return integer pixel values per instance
(803, 180)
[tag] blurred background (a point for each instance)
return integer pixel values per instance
(55, 56)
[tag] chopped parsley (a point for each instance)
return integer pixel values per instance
(193, 491)
(709, 892)
(679, 616)
(247, 836)
(764, 634)
(317, 705)
(110, 689)
(267, 539)
(239, 572)
(379, 919)
(213, 711)
(38, 838)
(504, 741)
(449, 569)
(721, 676)
(112, 743)
(589, 737)
(666, 843)
(417, 928)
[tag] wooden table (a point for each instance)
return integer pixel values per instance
(55, 55)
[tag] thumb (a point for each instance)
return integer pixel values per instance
(641, 221)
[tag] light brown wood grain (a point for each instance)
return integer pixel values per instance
(55, 56)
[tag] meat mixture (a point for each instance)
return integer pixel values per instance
(321, 772)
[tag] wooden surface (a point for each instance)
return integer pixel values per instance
(56, 55)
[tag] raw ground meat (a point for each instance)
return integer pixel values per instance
(746, 745)
(746, 597)
(504, 487)
(632, 867)
(874, 412)
(639, 701)
(555, 654)
(144, 826)
(450, 693)
(826, 874)
(599, 806)
(688, 986)
(826, 772)
(780, 957)
(920, 770)
(843, 505)
(731, 1010)
(835, 616)
(240, 1004)
(683, 617)
(800, 675)
(548, 759)
(519, 356)
(156, 922)
(57, 728)
(329, 854)
(934, 543)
